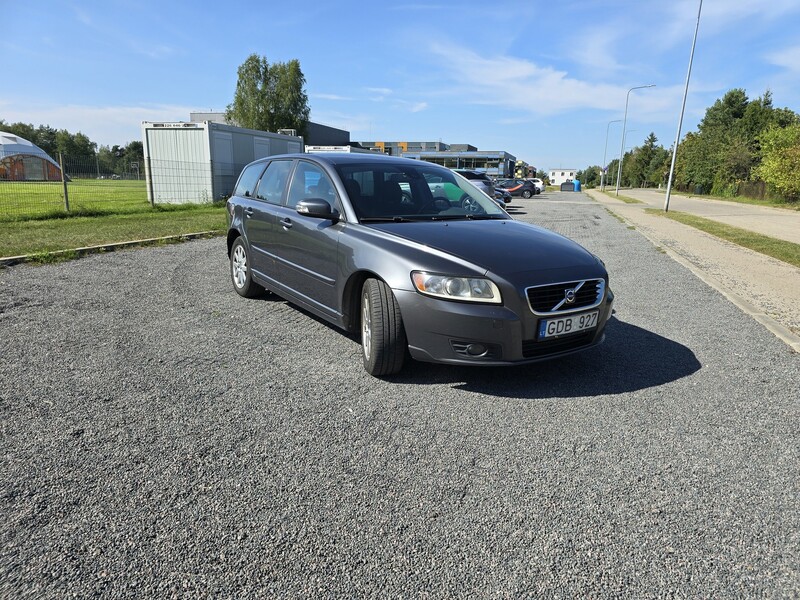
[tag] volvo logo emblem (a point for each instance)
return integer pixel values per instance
(569, 296)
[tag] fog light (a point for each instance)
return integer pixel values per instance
(476, 349)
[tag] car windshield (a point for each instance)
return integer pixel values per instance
(399, 192)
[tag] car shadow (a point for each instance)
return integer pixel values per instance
(630, 359)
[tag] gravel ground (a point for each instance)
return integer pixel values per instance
(163, 437)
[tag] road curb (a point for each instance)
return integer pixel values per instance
(8, 261)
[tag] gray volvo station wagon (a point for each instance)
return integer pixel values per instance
(415, 259)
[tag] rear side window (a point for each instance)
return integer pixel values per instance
(273, 181)
(248, 179)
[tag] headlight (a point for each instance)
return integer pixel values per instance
(468, 289)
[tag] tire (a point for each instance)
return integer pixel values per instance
(383, 339)
(526, 194)
(470, 205)
(241, 278)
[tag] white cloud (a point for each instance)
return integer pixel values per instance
(520, 84)
(105, 125)
(380, 93)
(594, 50)
(324, 96)
(789, 58)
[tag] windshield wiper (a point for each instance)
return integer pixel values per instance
(485, 217)
(385, 220)
(468, 216)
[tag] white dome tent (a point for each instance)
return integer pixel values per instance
(21, 160)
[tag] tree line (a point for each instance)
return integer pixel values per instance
(108, 160)
(741, 147)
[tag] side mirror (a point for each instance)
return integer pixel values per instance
(317, 208)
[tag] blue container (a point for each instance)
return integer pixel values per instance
(576, 185)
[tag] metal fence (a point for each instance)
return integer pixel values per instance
(33, 186)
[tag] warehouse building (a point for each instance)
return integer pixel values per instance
(453, 156)
(200, 162)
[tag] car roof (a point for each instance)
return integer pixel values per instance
(347, 158)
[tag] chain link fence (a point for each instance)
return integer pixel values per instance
(32, 186)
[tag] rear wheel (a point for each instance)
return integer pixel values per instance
(241, 277)
(383, 339)
(526, 194)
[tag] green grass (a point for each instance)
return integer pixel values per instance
(625, 199)
(41, 236)
(787, 252)
(22, 200)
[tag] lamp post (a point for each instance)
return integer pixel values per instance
(624, 122)
(605, 151)
(626, 148)
(683, 108)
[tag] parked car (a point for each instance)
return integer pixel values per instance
(373, 245)
(503, 194)
(538, 183)
(519, 187)
(479, 179)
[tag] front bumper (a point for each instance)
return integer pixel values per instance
(443, 331)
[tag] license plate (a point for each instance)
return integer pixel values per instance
(566, 325)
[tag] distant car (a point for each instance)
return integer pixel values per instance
(503, 194)
(374, 245)
(520, 187)
(479, 180)
(538, 183)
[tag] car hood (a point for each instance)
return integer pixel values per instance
(504, 247)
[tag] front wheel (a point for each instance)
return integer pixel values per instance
(526, 194)
(383, 339)
(241, 277)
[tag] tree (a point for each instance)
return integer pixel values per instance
(269, 97)
(589, 177)
(725, 111)
(780, 163)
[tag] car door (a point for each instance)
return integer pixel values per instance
(260, 217)
(306, 248)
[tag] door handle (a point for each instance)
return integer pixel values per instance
(248, 212)
(287, 223)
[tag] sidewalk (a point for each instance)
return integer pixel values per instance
(763, 287)
(780, 223)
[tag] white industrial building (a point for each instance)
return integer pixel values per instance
(199, 162)
(561, 175)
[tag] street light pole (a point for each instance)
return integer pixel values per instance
(624, 122)
(683, 108)
(605, 151)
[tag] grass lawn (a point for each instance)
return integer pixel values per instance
(39, 199)
(786, 251)
(38, 236)
(625, 199)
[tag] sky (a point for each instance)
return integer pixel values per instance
(539, 80)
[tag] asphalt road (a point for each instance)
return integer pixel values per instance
(162, 436)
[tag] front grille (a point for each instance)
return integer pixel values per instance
(551, 299)
(534, 349)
